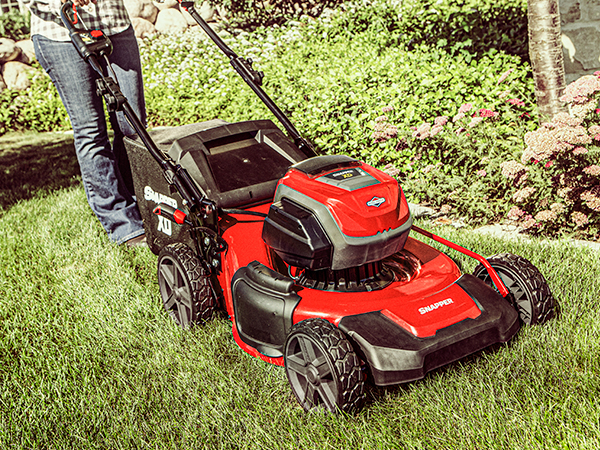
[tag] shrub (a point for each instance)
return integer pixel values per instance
(466, 27)
(14, 25)
(456, 156)
(38, 108)
(254, 13)
(556, 184)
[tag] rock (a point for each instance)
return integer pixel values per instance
(188, 18)
(207, 11)
(15, 75)
(166, 4)
(420, 211)
(143, 28)
(133, 7)
(223, 12)
(149, 11)
(8, 50)
(170, 21)
(27, 51)
(145, 9)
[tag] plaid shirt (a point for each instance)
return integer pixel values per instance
(110, 16)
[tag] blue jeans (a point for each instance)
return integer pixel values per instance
(104, 168)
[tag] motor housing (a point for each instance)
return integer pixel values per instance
(334, 212)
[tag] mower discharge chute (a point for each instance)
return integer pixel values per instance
(311, 256)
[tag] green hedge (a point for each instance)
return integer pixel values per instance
(372, 81)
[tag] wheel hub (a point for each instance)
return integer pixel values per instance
(312, 375)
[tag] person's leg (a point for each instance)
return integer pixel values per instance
(106, 192)
(125, 61)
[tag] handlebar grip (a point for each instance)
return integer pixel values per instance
(87, 42)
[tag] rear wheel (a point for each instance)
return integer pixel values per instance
(184, 285)
(322, 367)
(528, 290)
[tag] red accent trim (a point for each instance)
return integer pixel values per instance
(179, 216)
(96, 33)
(156, 211)
(74, 14)
(495, 278)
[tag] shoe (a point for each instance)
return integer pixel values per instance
(138, 241)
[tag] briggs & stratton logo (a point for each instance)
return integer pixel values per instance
(376, 202)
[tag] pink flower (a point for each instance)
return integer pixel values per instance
(436, 129)
(486, 113)
(504, 76)
(546, 216)
(580, 151)
(381, 119)
(465, 108)
(387, 109)
(475, 121)
(481, 173)
(528, 222)
(515, 213)
(423, 132)
(592, 198)
(516, 102)
(579, 218)
(592, 170)
(458, 117)
(523, 194)
(580, 90)
(441, 121)
(548, 164)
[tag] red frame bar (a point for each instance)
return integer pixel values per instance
(495, 278)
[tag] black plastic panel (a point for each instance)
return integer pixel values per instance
(396, 356)
(264, 302)
(297, 236)
(315, 166)
(237, 164)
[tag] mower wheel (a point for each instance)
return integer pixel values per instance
(184, 285)
(322, 367)
(529, 292)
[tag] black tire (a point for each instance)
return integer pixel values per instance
(322, 367)
(528, 290)
(184, 286)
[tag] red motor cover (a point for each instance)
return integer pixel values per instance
(361, 211)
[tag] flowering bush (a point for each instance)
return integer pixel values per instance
(460, 159)
(557, 181)
(477, 165)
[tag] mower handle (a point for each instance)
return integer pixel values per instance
(87, 42)
(252, 78)
(94, 44)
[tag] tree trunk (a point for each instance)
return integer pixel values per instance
(546, 54)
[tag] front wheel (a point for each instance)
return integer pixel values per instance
(322, 367)
(529, 292)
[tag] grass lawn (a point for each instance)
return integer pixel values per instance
(89, 358)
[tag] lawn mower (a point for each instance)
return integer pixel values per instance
(313, 258)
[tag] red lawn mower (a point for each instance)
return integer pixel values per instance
(312, 257)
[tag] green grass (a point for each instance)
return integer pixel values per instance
(89, 359)
(33, 162)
